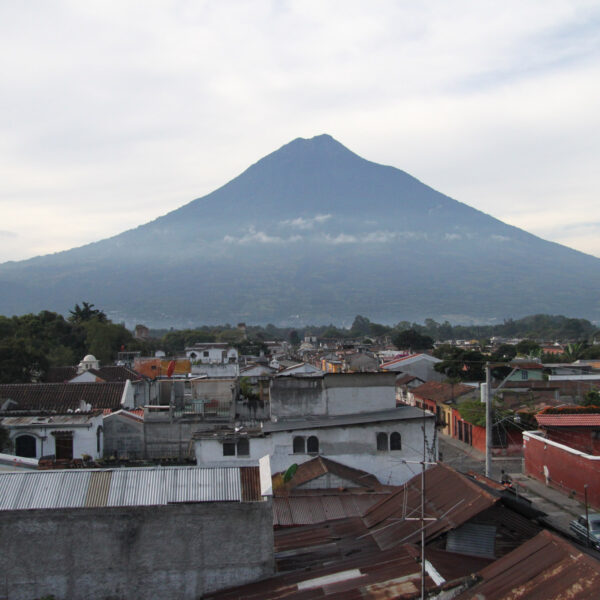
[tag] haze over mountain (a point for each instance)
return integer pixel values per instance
(312, 233)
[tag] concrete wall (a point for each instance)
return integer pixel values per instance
(333, 394)
(176, 551)
(123, 437)
(562, 467)
(355, 446)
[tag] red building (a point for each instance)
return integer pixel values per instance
(565, 452)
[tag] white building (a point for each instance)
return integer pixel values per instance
(63, 436)
(349, 418)
(212, 353)
(379, 442)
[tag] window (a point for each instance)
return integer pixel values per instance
(524, 375)
(228, 448)
(25, 446)
(395, 441)
(299, 445)
(382, 441)
(205, 353)
(63, 442)
(243, 447)
(312, 445)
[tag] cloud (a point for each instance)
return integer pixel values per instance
(306, 223)
(450, 237)
(8, 234)
(500, 238)
(260, 237)
(147, 105)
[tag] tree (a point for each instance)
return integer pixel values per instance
(592, 398)
(20, 365)
(294, 338)
(461, 365)
(504, 353)
(86, 312)
(409, 339)
(527, 347)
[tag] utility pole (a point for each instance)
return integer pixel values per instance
(423, 566)
(488, 420)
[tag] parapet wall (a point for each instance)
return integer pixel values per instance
(152, 552)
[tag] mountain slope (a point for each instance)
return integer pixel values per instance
(312, 232)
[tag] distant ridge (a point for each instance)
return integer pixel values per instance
(312, 233)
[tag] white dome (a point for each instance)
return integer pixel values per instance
(89, 358)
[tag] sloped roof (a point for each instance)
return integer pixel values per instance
(310, 509)
(61, 397)
(409, 359)
(545, 567)
(569, 420)
(60, 374)
(393, 574)
(320, 465)
(451, 498)
(114, 373)
(439, 391)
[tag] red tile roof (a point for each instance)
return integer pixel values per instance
(439, 391)
(567, 420)
(61, 397)
(60, 374)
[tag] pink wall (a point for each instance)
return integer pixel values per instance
(566, 470)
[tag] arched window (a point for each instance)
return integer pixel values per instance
(312, 445)
(25, 446)
(382, 441)
(243, 447)
(299, 445)
(228, 449)
(99, 440)
(395, 441)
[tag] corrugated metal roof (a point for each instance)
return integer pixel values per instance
(545, 568)
(319, 466)
(308, 510)
(450, 498)
(127, 487)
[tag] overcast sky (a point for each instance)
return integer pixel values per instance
(113, 113)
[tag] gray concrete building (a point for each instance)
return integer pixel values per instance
(151, 533)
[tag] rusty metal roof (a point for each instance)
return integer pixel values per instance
(379, 575)
(544, 568)
(127, 487)
(319, 466)
(451, 498)
(318, 508)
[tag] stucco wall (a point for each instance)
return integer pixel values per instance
(333, 394)
(562, 467)
(123, 437)
(175, 551)
(355, 446)
(84, 439)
